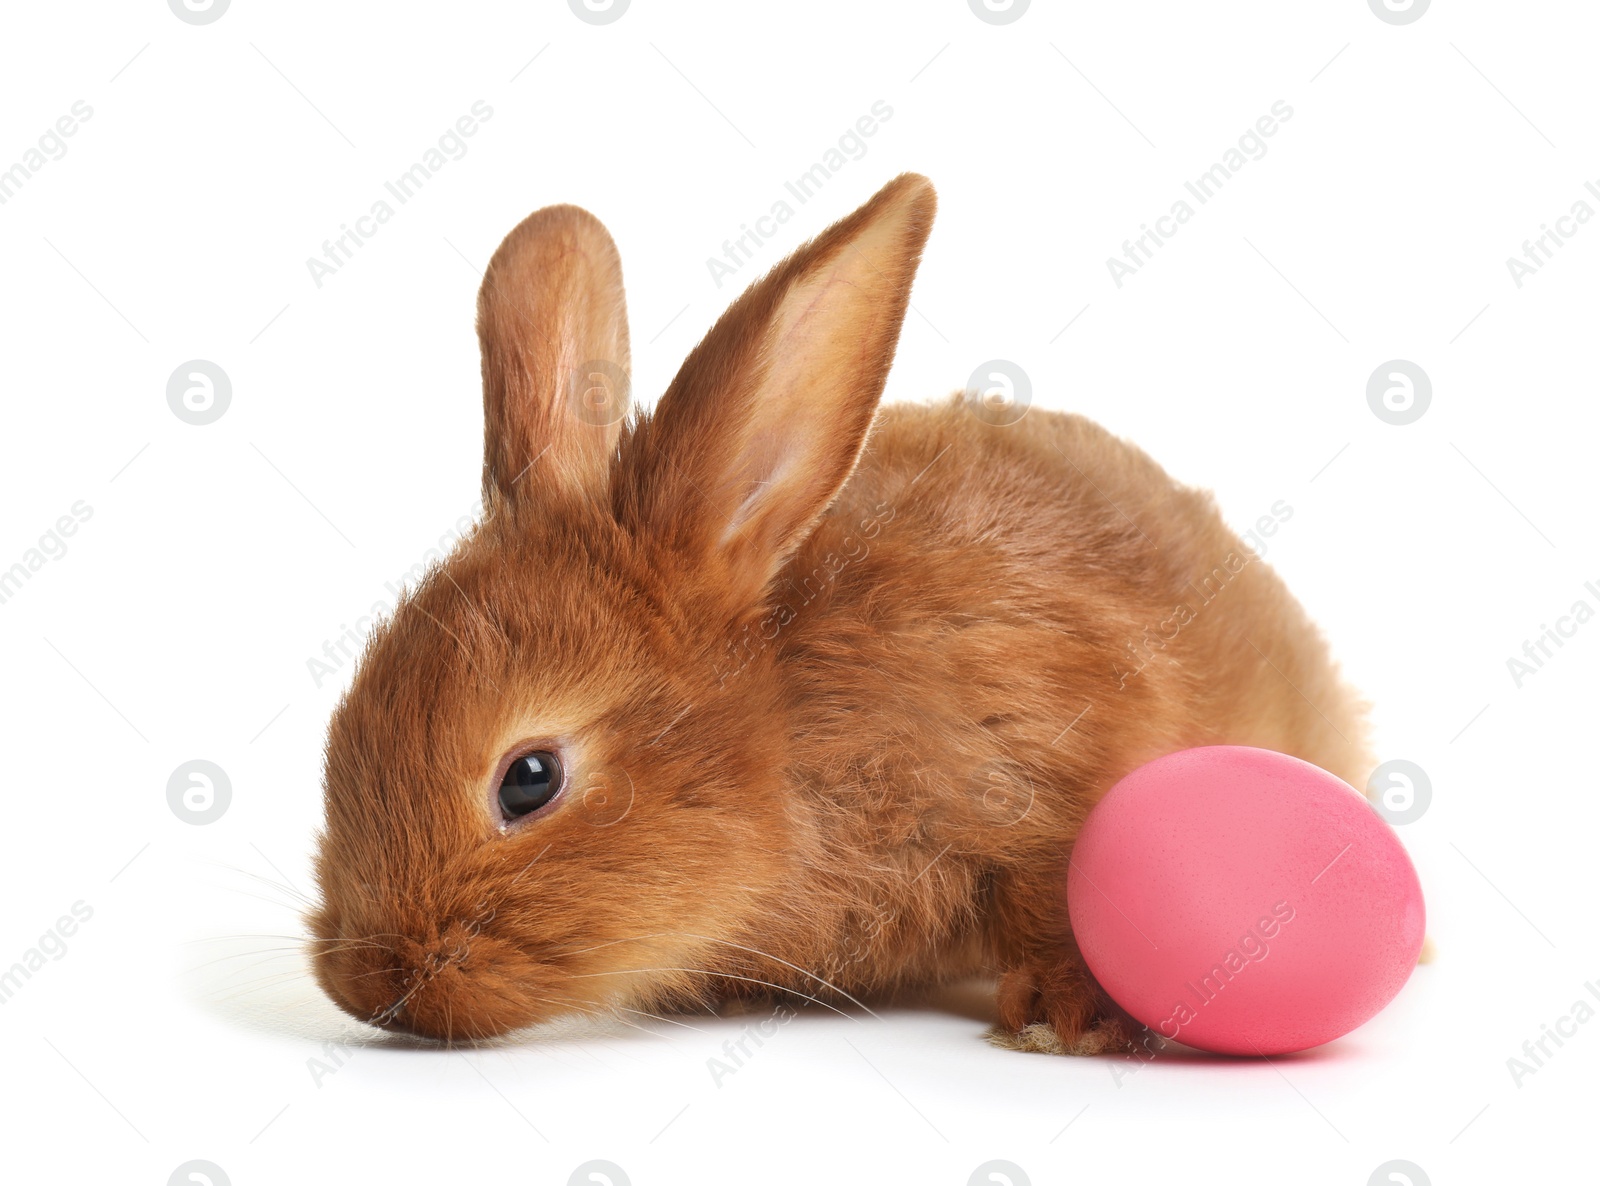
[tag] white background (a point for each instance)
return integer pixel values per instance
(179, 623)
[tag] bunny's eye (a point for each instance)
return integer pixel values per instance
(530, 782)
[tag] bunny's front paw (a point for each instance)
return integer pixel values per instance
(1058, 1009)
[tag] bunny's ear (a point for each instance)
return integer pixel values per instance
(553, 328)
(764, 422)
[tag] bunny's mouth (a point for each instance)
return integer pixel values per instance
(393, 1015)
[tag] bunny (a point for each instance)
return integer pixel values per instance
(772, 691)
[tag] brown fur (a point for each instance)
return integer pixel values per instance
(834, 686)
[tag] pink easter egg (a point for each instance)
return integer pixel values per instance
(1244, 902)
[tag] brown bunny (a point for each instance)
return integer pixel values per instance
(773, 690)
